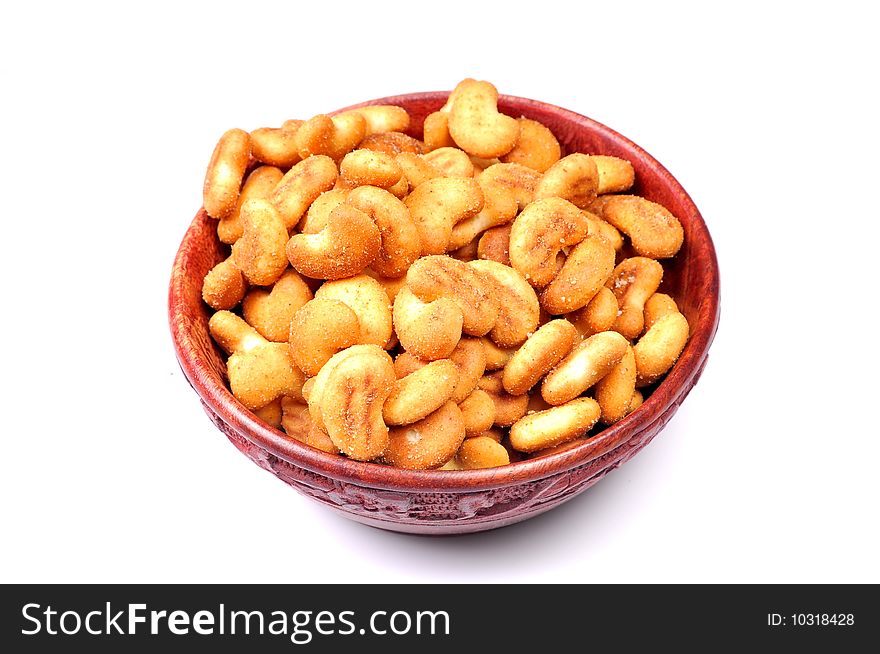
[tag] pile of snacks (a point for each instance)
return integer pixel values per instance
(461, 301)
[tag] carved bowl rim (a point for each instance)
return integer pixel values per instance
(188, 325)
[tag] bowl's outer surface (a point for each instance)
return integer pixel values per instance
(437, 502)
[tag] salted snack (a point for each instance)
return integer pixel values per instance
(478, 412)
(224, 286)
(301, 185)
(455, 293)
(259, 252)
(348, 397)
(331, 136)
(574, 178)
(225, 173)
(438, 204)
(653, 231)
(258, 184)
(259, 371)
(270, 311)
(276, 146)
(399, 243)
(633, 281)
(421, 392)
(536, 147)
(430, 330)
(347, 244)
(481, 452)
(369, 168)
(538, 355)
(318, 330)
(539, 233)
(475, 124)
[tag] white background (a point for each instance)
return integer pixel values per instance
(767, 114)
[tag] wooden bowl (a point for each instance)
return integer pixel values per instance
(446, 502)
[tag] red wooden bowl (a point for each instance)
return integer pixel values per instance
(447, 502)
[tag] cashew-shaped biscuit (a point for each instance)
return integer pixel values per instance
(538, 234)
(313, 388)
(224, 286)
(351, 403)
(499, 208)
(585, 271)
(508, 408)
(399, 243)
(633, 281)
(615, 175)
(435, 131)
(574, 178)
(259, 184)
(657, 306)
(381, 118)
(615, 390)
(652, 229)
(436, 276)
(438, 204)
(270, 311)
(537, 147)
(331, 136)
(599, 314)
(450, 162)
(369, 301)
(519, 311)
(297, 423)
(585, 365)
(481, 452)
(517, 180)
(259, 371)
(429, 330)
(259, 253)
(606, 230)
(552, 427)
(348, 243)
(475, 123)
(415, 169)
(478, 411)
(225, 172)
(421, 392)
(360, 167)
(469, 356)
(320, 329)
(276, 146)
(393, 143)
(428, 443)
(301, 185)
(494, 244)
(537, 356)
(659, 348)
(318, 214)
